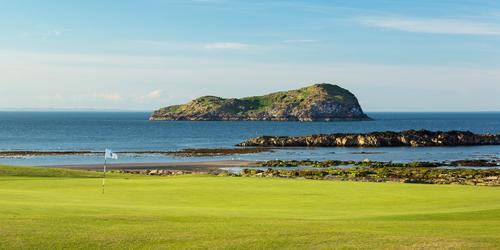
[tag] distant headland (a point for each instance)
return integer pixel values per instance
(319, 102)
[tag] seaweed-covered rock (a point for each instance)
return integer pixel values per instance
(423, 175)
(410, 138)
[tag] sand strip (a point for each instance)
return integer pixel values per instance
(201, 166)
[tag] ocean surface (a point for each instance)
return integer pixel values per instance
(132, 131)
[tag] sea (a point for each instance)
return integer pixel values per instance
(132, 131)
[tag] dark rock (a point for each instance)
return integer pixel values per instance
(413, 138)
(198, 152)
(474, 163)
(421, 175)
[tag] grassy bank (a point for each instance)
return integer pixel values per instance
(46, 172)
(67, 210)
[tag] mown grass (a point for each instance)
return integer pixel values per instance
(199, 211)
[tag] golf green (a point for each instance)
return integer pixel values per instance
(54, 209)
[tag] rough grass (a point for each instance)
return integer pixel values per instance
(198, 211)
(46, 172)
(52, 172)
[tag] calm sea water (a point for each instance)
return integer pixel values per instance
(131, 131)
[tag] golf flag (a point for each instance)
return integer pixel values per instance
(108, 154)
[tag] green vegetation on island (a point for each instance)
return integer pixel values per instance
(319, 102)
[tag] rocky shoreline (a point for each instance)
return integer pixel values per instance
(421, 175)
(407, 138)
(189, 152)
(479, 163)
(200, 152)
(414, 172)
(446, 172)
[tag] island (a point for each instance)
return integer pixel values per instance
(319, 102)
(407, 138)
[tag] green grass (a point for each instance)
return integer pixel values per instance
(45, 172)
(198, 211)
(255, 104)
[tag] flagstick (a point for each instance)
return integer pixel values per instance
(104, 175)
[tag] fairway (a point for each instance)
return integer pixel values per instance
(55, 210)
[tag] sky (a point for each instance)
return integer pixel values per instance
(394, 55)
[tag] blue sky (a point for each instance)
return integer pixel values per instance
(141, 55)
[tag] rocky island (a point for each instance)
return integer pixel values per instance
(408, 138)
(319, 102)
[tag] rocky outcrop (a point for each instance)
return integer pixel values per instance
(483, 177)
(476, 163)
(408, 138)
(319, 102)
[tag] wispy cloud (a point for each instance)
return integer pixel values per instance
(432, 25)
(106, 97)
(226, 45)
(119, 81)
(180, 45)
(161, 44)
(110, 97)
(301, 41)
(44, 34)
(115, 97)
(153, 95)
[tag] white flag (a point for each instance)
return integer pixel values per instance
(108, 154)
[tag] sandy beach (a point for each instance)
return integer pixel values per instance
(195, 166)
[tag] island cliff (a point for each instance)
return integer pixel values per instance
(408, 138)
(319, 102)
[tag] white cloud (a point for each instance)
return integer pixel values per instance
(432, 25)
(301, 41)
(226, 45)
(160, 44)
(495, 14)
(176, 46)
(116, 97)
(44, 34)
(110, 97)
(153, 94)
(123, 79)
